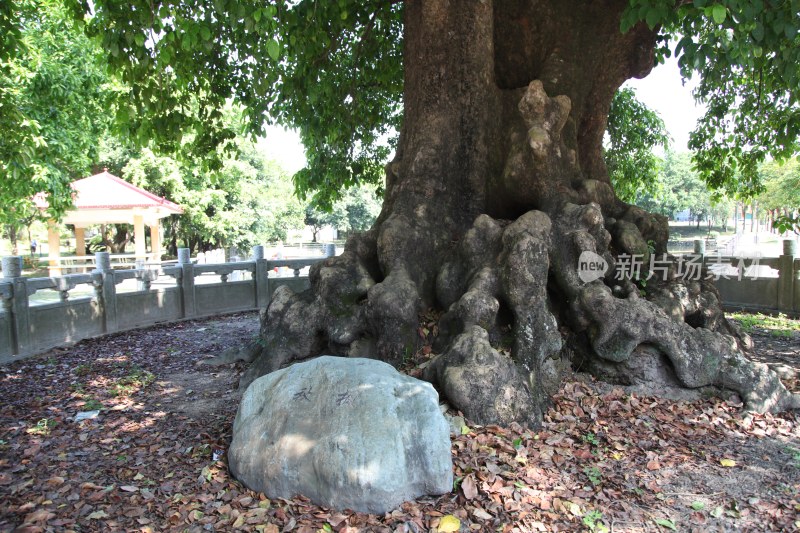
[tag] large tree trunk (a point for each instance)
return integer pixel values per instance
(497, 190)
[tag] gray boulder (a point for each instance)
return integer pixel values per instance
(348, 433)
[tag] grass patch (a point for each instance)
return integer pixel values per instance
(83, 369)
(92, 405)
(779, 326)
(136, 379)
(795, 453)
(42, 427)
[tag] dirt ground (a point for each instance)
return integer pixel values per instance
(152, 459)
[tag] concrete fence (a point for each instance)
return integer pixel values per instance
(767, 284)
(164, 294)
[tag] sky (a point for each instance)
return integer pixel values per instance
(662, 91)
(284, 147)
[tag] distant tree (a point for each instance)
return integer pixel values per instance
(355, 211)
(267, 206)
(317, 218)
(247, 201)
(362, 206)
(721, 210)
(634, 130)
(781, 197)
(54, 97)
(677, 188)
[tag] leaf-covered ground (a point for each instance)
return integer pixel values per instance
(153, 458)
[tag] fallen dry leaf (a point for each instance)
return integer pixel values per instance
(593, 447)
(449, 524)
(469, 487)
(97, 515)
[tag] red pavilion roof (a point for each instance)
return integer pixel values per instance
(106, 191)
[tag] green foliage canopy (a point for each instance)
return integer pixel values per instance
(332, 70)
(53, 98)
(746, 54)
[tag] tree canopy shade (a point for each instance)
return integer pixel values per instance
(498, 187)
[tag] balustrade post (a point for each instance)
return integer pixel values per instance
(142, 283)
(7, 300)
(20, 317)
(107, 291)
(187, 283)
(699, 247)
(786, 277)
(261, 277)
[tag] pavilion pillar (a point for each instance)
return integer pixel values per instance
(80, 245)
(138, 237)
(80, 241)
(53, 248)
(155, 240)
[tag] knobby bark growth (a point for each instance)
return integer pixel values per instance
(497, 188)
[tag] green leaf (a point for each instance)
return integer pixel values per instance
(653, 17)
(698, 506)
(719, 13)
(273, 49)
(669, 524)
(758, 32)
(465, 430)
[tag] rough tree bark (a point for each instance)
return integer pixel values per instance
(497, 188)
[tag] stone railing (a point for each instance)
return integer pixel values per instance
(162, 294)
(767, 284)
(187, 290)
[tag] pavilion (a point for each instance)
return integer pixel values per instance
(107, 199)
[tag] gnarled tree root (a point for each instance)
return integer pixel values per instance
(512, 290)
(617, 324)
